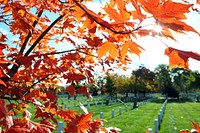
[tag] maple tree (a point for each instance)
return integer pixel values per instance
(31, 67)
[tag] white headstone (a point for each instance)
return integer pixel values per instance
(150, 130)
(60, 127)
(156, 125)
(101, 116)
(120, 110)
(113, 113)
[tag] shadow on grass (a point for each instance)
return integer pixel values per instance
(180, 100)
(172, 100)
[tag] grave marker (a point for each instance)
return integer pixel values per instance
(120, 110)
(60, 127)
(113, 113)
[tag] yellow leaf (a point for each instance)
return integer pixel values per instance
(52, 110)
(21, 12)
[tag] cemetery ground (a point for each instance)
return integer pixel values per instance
(178, 114)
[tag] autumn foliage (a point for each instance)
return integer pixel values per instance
(195, 130)
(31, 65)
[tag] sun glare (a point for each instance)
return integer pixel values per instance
(158, 28)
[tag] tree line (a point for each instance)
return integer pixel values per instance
(143, 80)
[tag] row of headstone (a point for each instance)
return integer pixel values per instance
(96, 104)
(158, 121)
(132, 106)
(84, 99)
(96, 101)
(88, 104)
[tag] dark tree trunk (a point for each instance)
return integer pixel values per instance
(126, 94)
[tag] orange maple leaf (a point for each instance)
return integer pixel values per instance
(137, 14)
(132, 47)
(107, 47)
(169, 14)
(172, 9)
(114, 14)
(83, 124)
(180, 58)
(195, 125)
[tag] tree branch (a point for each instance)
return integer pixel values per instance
(66, 51)
(43, 34)
(104, 25)
(30, 33)
(28, 90)
(15, 68)
(9, 98)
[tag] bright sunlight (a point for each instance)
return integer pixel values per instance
(158, 28)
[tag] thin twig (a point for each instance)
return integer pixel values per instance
(66, 51)
(28, 90)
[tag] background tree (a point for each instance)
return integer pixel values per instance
(93, 89)
(31, 65)
(122, 84)
(164, 82)
(144, 79)
(182, 79)
(195, 84)
(100, 83)
(110, 85)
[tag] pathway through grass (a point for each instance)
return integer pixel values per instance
(178, 115)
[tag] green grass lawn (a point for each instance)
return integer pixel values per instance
(132, 121)
(137, 120)
(179, 115)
